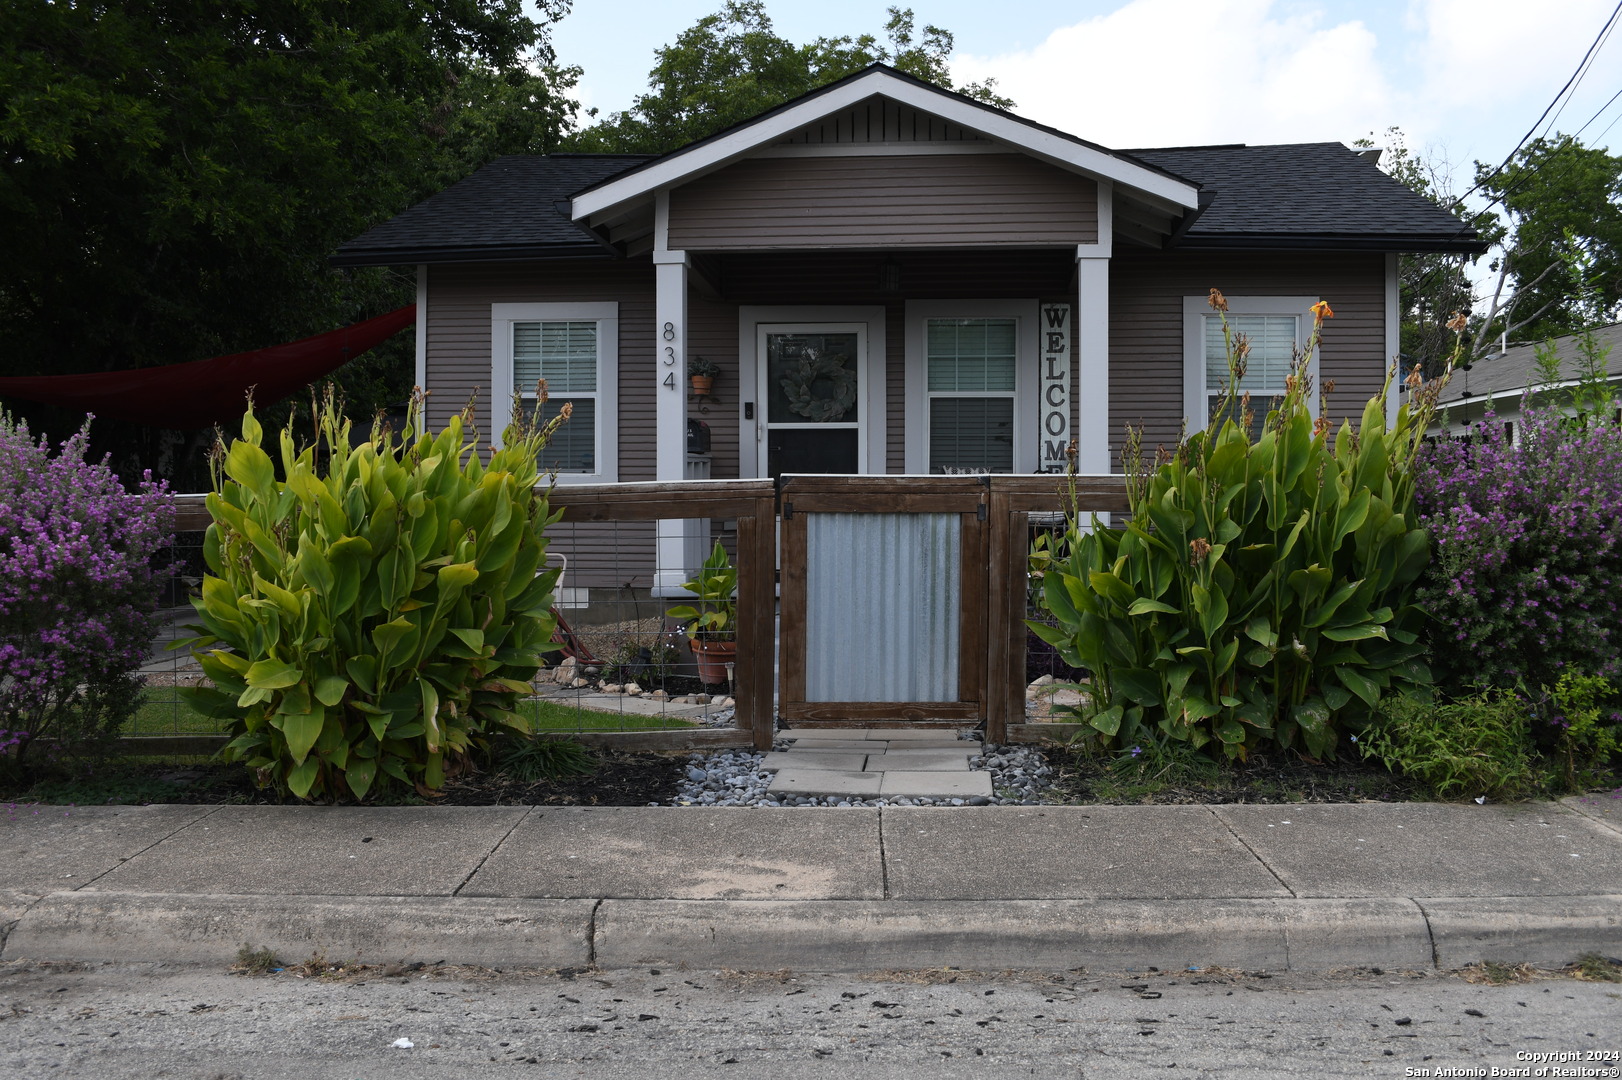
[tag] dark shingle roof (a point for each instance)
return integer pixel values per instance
(1318, 195)
(1306, 195)
(507, 210)
(1510, 372)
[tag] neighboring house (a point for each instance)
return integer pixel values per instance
(1497, 384)
(896, 279)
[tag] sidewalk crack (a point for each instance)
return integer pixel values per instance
(493, 849)
(591, 934)
(1430, 932)
(210, 812)
(1254, 853)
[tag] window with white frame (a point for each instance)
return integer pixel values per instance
(971, 366)
(966, 378)
(1275, 328)
(573, 349)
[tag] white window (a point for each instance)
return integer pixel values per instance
(1277, 328)
(574, 348)
(968, 385)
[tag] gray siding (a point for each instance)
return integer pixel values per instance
(458, 360)
(1146, 325)
(936, 200)
(880, 120)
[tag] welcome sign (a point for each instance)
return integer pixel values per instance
(1054, 388)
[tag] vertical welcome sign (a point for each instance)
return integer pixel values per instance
(1053, 411)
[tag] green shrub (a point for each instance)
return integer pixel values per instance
(1580, 713)
(1261, 593)
(373, 614)
(1473, 746)
(530, 758)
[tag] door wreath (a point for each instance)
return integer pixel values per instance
(815, 372)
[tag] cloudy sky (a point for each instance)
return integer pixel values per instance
(1464, 79)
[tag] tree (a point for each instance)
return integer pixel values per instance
(1434, 286)
(174, 173)
(1560, 267)
(731, 66)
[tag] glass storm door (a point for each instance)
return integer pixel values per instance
(811, 383)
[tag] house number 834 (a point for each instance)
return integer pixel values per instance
(669, 381)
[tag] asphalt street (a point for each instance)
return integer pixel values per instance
(154, 1021)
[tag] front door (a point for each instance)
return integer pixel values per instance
(811, 380)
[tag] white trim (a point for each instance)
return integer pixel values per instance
(1393, 337)
(916, 411)
(873, 390)
(661, 223)
(1196, 400)
(1092, 384)
(882, 149)
(682, 166)
(606, 315)
(422, 344)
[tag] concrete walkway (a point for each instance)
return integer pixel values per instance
(1306, 887)
(873, 763)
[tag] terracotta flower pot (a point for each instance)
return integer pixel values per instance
(702, 383)
(713, 657)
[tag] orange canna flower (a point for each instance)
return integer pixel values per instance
(1458, 323)
(1198, 549)
(1217, 301)
(1320, 426)
(1322, 310)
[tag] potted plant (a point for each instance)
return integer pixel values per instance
(701, 372)
(712, 624)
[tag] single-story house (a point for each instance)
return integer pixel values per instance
(1498, 383)
(894, 279)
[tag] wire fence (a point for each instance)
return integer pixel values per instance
(621, 664)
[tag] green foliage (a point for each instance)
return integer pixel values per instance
(1470, 747)
(732, 66)
(716, 587)
(1261, 593)
(373, 614)
(175, 173)
(1589, 733)
(530, 759)
(1563, 201)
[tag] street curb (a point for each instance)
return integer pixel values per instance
(1544, 931)
(817, 935)
(136, 927)
(860, 935)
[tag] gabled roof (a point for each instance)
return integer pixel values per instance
(1301, 195)
(718, 150)
(514, 208)
(1509, 373)
(1307, 195)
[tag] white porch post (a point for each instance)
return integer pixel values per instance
(670, 371)
(1092, 354)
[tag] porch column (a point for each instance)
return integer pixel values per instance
(1092, 355)
(670, 414)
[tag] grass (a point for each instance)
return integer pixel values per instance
(174, 717)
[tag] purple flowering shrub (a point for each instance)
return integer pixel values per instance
(78, 591)
(1527, 552)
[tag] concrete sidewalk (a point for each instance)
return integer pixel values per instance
(1303, 887)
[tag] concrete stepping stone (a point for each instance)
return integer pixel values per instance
(831, 760)
(918, 761)
(802, 781)
(832, 744)
(934, 785)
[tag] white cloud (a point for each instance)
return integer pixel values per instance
(1470, 75)
(1170, 72)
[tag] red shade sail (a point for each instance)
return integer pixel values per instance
(215, 390)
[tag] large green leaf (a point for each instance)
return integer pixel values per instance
(272, 675)
(301, 731)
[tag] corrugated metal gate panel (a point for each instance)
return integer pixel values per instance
(882, 606)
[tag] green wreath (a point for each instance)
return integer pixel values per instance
(812, 369)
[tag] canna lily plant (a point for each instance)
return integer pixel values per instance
(1262, 592)
(372, 611)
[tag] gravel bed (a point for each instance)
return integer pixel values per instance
(1019, 775)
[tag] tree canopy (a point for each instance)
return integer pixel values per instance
(174, 173)
(731, 66)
